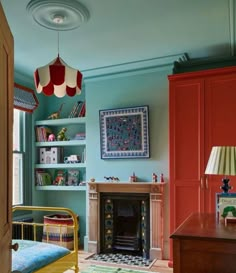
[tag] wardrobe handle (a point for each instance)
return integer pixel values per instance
(206, 182)
(201, 181)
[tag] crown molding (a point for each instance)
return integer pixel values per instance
(120, 70)
(133, 68)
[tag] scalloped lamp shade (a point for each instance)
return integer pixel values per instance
(57, 78)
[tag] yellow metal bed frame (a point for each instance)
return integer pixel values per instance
(69, 261)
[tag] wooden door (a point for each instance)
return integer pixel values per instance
(186, 148)
(6, 121)
(220, 124)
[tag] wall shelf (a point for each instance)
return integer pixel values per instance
(61, 121)
(61, 143)
(60, 166)
(61, 188)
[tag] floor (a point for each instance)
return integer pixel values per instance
(157, 266)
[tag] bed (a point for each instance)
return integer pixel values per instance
(40, 254)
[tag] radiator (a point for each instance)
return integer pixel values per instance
(27, 229)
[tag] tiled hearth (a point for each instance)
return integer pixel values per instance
(156, 199)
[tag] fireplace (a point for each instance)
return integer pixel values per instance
(113, 222)
(124, 223)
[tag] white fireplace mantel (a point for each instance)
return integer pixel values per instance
(156, 192)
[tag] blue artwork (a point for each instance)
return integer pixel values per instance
(124, 132)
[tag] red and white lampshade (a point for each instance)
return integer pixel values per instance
(57, 78)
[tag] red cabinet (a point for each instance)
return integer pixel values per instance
(202, 114)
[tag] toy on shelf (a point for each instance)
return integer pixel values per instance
(154, 177)
(162, 178)
(111, 178)
(72, 159)
(133, 178)
(56, 115)
(60, 177)
(51, 137)
(61, 136)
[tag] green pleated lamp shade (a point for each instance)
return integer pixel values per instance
(222, 161)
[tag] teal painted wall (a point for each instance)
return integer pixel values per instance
(143, 87)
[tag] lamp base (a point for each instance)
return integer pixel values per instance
(226, 187)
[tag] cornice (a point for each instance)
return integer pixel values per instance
(113, 71)
(132, 68)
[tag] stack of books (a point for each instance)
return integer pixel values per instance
(79, 136)
(78, 110)
(42, 133)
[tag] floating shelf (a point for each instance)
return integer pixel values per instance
(61, 121)
(61, 143)
(61, 188)
(60, 166)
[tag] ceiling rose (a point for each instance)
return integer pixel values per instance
(58, 14)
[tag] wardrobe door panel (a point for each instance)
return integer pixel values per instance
(220, 124)
(185, 151)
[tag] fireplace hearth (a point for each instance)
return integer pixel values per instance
(124, 224)
(114, 226)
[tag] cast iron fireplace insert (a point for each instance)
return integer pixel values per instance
(125, 223)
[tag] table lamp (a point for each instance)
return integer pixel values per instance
(222, 161)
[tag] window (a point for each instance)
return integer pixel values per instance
(18, 155)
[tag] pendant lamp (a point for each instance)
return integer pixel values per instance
(57, 78)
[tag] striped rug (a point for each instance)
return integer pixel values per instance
(109, 269)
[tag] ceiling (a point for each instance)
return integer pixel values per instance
(118, 32)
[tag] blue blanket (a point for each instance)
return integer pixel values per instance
(33, 255)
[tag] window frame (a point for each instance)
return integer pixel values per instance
(25, 136)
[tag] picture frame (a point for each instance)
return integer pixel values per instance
(124, 132)
(225, 206)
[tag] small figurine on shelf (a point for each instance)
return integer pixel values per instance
(133, 178)
(115, 179)
(51, 137)
(61, 135)
(162, 178)
(154, 177)
(112, 178)
(56, 115)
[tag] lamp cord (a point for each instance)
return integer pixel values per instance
(58, 47)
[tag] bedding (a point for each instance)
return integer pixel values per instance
(33, 255)
(43, 257)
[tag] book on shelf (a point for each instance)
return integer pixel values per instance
(42, 133)
(80, 136)
(75, 109)
(83, 159)
(82, 111)
(43, 178)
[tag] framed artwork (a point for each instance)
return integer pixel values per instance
(124, 132)
(226, 205)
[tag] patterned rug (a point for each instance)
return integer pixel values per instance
(121, 259)
(108, 269)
